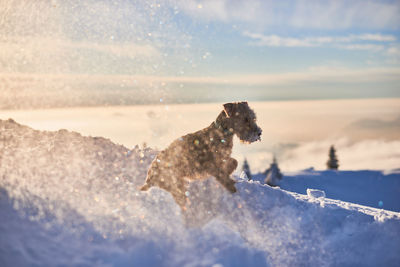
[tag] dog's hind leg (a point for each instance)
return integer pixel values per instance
(147, 183)
(145, 187)
(178, 192)
(153, 175)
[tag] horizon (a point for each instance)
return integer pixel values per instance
(297, 132)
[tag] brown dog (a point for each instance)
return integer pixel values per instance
(204, 153)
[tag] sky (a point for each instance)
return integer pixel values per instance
(90, 53)
(75, 54)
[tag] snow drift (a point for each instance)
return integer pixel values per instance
(378, 189)
(71, 200)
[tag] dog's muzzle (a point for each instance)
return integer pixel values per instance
(259, 134)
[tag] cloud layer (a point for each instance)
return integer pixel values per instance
(298, 132)
(375, 154)
(314, 14)
(69, 90)
(351, 42)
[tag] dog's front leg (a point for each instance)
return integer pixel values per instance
(227, 182)
(230, 165)
(222, 173)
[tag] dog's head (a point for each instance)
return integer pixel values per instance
(242, 121)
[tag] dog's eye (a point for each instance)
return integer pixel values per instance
(246, 120)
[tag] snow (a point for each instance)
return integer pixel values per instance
(315, 193)
(66, 199)
(372, 188)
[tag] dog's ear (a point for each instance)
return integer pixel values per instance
(228, 108)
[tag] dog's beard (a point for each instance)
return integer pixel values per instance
(250, 138)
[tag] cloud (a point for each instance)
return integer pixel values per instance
(370, 47)
(55, 55)
(394, 51)
(344, 14)
(22, 90)
(277, 41)
(314, 74)
(222, 10)
(345, 42)
(393, 54)
(374, 37)
(367, 154)
(374, 128)
(91, 36)
(376, 124)
(314, 14)
(130, 50)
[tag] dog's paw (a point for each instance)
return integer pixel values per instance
(231, 187)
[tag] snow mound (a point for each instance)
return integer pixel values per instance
(71, 200)
(378, 189)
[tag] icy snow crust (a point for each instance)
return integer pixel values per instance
(371, 188)
(71, 200)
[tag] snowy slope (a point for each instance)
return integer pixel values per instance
(376, 189)
(71, 200)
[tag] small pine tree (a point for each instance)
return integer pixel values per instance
(273, 174)
(246, 169)
(333, 162)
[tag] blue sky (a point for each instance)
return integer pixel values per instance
(249, 37)
(215, 50)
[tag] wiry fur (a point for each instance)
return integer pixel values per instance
(204, 153)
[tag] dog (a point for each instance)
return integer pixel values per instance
(204, 153)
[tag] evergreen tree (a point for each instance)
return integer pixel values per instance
(273, 174)
(246, 169)
(333, 162)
